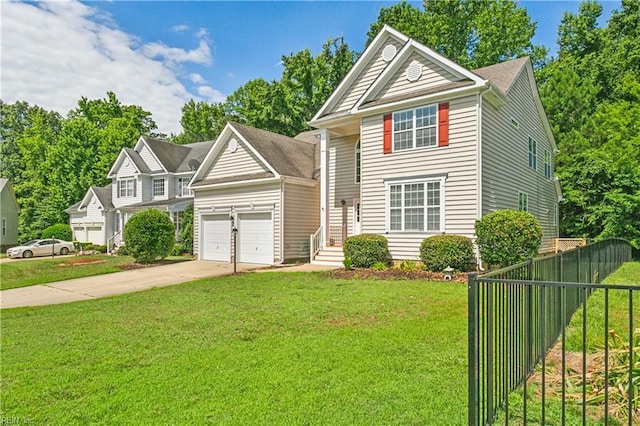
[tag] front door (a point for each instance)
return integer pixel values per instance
(357, 229)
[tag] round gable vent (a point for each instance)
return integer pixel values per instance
(414, 71)
(233, 145)
(388, 52)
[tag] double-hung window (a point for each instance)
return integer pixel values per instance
(523, 202)
(533, 153)
(415, 128)
(415, 206)
(547, 164)
(158, 187)
(183, 187)
(126, 188)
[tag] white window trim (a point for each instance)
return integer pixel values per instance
(535, 153)
(424, 180)
(357, 162)
(413, 129)
(153, 187)
(183, 190)
(526, 201)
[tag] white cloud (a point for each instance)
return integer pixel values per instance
(210, 94)
(196, 78)
(202, 33)
(179, 28)
(53, 53)
(231, 75)
(200, 55)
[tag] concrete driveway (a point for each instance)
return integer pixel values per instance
(117, 283)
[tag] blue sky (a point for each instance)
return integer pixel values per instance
(161, 54)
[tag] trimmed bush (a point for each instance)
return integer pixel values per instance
(59, 231)
(178, 250)
(122, 251)
(441, 251)
(149, 235)
(507, 237)
(365, 250)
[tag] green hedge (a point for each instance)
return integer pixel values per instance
(365, 250)
(60, 231)
(441, 251)
(507, 237)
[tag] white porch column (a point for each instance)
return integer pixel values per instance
(324, 184)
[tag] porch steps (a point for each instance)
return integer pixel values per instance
(329, 256)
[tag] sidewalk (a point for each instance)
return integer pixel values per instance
(117, 283)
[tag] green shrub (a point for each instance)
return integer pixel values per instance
(88, 246)
(101, 248)
(149, 235)
(380, 266)
(507, 237)
(408, 266)
(178, 250)
(59, 231)
(366, 249)
(440, 251)
(347, 262)
(186, 235)
(122, 251)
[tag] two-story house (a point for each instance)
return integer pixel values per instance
(411, 145)
(152, 174)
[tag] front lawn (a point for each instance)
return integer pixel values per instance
(23, 273)
(258, 348)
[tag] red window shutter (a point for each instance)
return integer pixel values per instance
(443, 124)
(387, 121)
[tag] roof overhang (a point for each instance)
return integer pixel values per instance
(143, 141)
(116, 164)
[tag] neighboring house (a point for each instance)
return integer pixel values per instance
(268, 184)
(413, 145)
(9, 211)
(153, 174)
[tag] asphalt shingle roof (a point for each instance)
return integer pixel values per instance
(288, 156)
(503, 74)
(174, 157)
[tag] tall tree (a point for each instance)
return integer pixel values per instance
(472, 33)
(201, 121)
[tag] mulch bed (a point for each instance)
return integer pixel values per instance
(82, 261)
(392, 274)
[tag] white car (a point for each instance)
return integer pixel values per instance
(45, 247)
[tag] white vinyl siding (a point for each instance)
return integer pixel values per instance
(432, 75)
(243, 198)
(457, 162)
(301, 218)
(368, 75)
(149, 159)
(127, 171)
(505, 169)
(341, 182)
(240, 162)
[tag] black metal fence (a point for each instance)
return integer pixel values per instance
(517, 314)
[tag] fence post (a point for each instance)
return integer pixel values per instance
(471, 348)
(530, 269)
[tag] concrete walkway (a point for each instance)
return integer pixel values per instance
(117, 283)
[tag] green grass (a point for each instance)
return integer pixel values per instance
(268, 348)
(26, 273)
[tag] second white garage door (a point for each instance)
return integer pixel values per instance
(94, 235)
(216, 238)
(255, 238)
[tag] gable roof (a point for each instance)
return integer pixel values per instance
(102, 193)
(175, 158)
(358, 67)
(503, 74)
(281, 155)
(6, 185)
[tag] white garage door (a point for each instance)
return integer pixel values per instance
(94, 235)
(215, 238)
(255, 238)
(78, 234)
